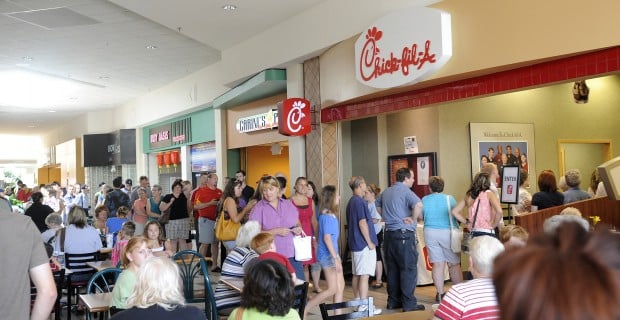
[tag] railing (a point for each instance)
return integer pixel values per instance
(608, 211)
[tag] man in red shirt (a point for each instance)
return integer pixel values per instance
(205, 200)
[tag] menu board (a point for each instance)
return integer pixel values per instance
(423, 166)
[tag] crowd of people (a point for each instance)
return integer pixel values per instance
(149, 227)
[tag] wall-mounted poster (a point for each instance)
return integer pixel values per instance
(505, 144)
(423, 166)
(203, 157)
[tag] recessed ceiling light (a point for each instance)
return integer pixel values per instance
(51, 111)
(229, 7)
(104, 77)
(27, 58)
(32, 126)
(22, 65)
(151, 47)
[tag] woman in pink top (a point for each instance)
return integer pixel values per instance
(479, 198)
(140, 215)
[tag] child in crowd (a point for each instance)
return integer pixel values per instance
(127, 232)
(327, 252)
(264, 244)
(513, 236)
(135, 253)
(53, 222)
(115, 224)
(154, 234)
(101, 220)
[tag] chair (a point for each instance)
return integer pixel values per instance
(192, 266)
(369, 312)
(301, 298)
(79, 275)
(59, 279)
(101, 282)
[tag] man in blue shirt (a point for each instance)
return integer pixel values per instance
(361, 240)
(400, 244)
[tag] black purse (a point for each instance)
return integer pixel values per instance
(467, 236)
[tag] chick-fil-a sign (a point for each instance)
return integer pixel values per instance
(294, 117)
(403, 47)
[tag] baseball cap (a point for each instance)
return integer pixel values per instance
(129, 181)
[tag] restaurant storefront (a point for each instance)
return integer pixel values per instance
(180, 148)
(482, 82)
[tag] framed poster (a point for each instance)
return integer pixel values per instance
(505, 144)
(510, 182)
(423, 166)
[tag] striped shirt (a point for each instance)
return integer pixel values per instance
(232, 268)
(470, 300)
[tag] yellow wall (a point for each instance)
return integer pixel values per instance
(445, 128)
(69, 157)
(261, 162)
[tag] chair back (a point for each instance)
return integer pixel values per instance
(301, 298)
(76, 262)
(103, 281)
(355, 304)
(190, 269)
(193, 266)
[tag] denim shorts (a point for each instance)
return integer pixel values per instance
(327, 262)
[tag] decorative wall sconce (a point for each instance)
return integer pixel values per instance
(581, 92)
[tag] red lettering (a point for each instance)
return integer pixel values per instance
(372, 66)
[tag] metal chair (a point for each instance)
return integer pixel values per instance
(355, 304)
(79, 275)
(301, 298)
(101, 282)
(193, 266)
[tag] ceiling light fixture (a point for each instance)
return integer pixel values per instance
(151, 47)
(51, 111)
(229, 7)
(27, 58)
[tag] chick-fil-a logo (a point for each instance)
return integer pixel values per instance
(372, 65)
(403, 47)
(295, 117)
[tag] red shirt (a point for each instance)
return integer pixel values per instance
(279, 259)
(206, 194)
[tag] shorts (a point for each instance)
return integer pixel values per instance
(327, 262)
(177, 229)
(206, 229)
(364, 262)
(438, 246)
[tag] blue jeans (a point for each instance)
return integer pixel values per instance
(299, 268)
(401, 260)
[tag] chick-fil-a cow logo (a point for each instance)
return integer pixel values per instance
(403, 47)
(294, 117)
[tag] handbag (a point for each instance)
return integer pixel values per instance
(164, 217)
(467, 236)
(303, 247)
(226, 229)
(456, 234)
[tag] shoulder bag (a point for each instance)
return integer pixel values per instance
(468, 235)
(226, 229)
(456, 234)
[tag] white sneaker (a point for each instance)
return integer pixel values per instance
(363, 308)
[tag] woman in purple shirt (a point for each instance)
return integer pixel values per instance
(279, 217)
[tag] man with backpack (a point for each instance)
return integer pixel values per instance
(116, 198)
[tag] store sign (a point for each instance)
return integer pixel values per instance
(267, 120)
(403, 47)
(294, 117)
(160, 136)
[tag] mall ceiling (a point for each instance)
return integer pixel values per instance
(110, 52)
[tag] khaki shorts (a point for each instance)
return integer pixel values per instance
(364, 262)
